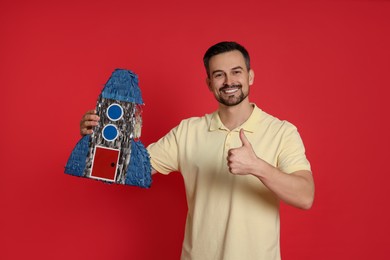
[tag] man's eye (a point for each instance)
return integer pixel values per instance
(217, 75)
(236, 72)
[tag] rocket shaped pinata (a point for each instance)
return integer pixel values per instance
(114, 153)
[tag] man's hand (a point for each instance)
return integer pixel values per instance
(296, 188)
(242, 159)
(89, 120)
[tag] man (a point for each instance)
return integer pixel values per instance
(237, 164)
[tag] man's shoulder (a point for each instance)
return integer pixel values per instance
(274, 122)
(191, 123)
(194, 120)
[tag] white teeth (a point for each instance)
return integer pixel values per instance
(230, 90)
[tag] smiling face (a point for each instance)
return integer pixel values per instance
(229, 78)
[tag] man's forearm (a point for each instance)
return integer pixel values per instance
(295, 189)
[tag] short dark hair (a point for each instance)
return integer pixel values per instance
(223, 47)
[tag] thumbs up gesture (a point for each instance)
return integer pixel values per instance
(242, 159)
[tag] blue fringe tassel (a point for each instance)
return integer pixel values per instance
(139, 170)
(76, 163)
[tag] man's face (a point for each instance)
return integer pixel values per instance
(229, 78)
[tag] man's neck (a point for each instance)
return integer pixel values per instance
(234, 116)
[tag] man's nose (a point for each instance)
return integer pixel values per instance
(228, 80)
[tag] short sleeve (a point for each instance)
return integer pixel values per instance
(292, 156)
(164, 153)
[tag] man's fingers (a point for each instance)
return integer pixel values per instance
(86, 131)
(92, 111)
(89, 120)
(90, 117)
(90, 123)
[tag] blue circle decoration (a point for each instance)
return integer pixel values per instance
(114, 112)
(110, 132)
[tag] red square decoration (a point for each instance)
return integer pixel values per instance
(105, 163)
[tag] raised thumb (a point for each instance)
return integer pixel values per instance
(243, 138)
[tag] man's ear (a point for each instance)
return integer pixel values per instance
(251, 77)
(208, 83)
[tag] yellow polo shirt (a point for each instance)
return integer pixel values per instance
(229, 217)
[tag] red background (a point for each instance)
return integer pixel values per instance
(323, 65)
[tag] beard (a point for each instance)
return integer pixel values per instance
(234, 99)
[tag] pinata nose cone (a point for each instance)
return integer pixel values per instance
(123, 86)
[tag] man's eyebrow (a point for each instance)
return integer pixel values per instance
(235, 68)
(215, 71)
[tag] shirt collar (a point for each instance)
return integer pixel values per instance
(249, 125)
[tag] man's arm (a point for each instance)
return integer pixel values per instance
(296, 189)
